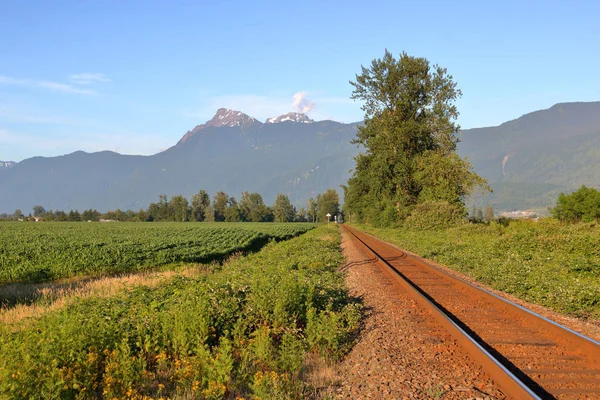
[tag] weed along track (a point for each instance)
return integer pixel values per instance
(527, 355)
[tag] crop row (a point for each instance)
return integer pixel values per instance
(49, 251)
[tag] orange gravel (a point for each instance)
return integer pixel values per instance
(401, 352)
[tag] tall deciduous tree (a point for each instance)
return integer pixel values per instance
(232, 212)
(200, 203)
(209, 215)
(253, 208)
(38, 211)
(220, 201)
(409, 140)
(283, 210)
(181, 208)
(328, 203)
(312, 208)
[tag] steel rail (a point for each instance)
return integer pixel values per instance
(510, 384)
(587, 343)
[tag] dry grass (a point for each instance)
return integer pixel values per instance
(327, 238)
(319, 374)
(33, 300)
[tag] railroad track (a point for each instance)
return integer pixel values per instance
(527, 355)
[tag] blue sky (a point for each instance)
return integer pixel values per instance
(134, 76)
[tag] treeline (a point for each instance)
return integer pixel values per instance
(250, 208)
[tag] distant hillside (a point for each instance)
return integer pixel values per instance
(231, 152)
(530, 160)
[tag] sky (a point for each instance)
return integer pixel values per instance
(134, 76)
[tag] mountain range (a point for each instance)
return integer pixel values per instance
(232, 152)
(528, 162)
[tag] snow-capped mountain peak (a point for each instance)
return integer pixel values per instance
(226, 117)
(291, 116)
(7, 164)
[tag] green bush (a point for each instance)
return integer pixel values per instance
(435, 215)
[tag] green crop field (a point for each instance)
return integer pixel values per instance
(37, 252)
(248, 329)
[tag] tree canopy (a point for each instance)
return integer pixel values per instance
(581, 205)
(283, 210)
(409, 138)
(327, 203)
(253, 208)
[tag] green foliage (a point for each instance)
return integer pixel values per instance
(435, 215)
(161, 211)
(312, 208)
(38, 211)
(43, 252)
(543, 262)
(581, 205)
(243, 330)
(283, 210)
(409, 137)
(445, 177)
(220, 203)
(180, 207)
(253, 208)
(327, 203)
(233, 214)
(200, 205)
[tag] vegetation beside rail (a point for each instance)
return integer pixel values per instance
(245, 330)
(50, 251)
(544, 262)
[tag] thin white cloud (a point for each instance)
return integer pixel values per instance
(53, 86)
(87, 78)
(11, 81)
(63, 87)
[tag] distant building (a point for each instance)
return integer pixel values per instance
(517, 214)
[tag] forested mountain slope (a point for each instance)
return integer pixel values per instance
(232, 152)
(528, 161)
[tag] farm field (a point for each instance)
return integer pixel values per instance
(543, 262)
(254, 327)
(42, 252)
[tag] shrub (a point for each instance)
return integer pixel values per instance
(435, 215)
